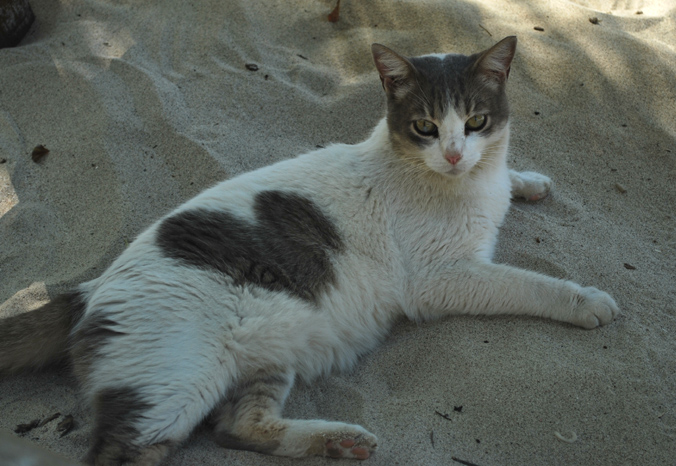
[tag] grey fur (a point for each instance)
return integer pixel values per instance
(88, 340)
(288, 248)
(117, 410)
(36, 339)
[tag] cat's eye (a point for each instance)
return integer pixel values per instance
(476, 123)
(425, 127)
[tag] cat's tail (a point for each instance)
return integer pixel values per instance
(39, 338)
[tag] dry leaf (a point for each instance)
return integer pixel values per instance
(335, 14)
(66, 425)
(23, 428)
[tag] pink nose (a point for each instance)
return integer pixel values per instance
(453, 157)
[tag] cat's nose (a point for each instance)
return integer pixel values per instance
(453, 157)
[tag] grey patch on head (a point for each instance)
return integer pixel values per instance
(117, 411)
(287, 249)
(442, 82)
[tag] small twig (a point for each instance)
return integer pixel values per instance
(49, 419)
(570, 439)
(432, 438)
(445, 416)
(489, 32)
(466, 463)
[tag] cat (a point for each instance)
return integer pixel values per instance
(298, 268)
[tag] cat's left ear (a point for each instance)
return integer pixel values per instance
(395, 71)
(493, 65)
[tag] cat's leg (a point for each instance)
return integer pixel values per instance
(143, 408)
(250, 419)
(531, 186)
(115, 439)
(484, 288)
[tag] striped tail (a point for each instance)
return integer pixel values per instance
(39, 338)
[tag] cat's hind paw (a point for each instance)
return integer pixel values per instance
(359, 448)
(331, 439)
(594, 308)
(530, 186)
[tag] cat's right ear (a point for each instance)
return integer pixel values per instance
(493, 65)
(395, 70)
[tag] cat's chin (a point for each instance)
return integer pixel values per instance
(450, 171)
(454, 173)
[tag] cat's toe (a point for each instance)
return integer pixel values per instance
(360, 447)
(539, 196)
(595, 308)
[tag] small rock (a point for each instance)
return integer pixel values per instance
(39, 153)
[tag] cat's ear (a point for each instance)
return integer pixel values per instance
(493, 65)
(395, 71)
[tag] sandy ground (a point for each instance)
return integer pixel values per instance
(143, 104)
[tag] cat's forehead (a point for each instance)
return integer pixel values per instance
(442, 66)
(445, 82)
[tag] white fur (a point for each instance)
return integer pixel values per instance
(416, 243)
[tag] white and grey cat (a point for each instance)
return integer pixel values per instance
(297, 269)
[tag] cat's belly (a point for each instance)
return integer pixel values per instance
(277, 330)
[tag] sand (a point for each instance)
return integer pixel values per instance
(144, 104)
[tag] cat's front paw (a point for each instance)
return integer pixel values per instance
(531, 186)
(594, 308)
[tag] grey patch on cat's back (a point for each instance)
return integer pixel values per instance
(287, 249)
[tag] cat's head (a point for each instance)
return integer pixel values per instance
(448, 112)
